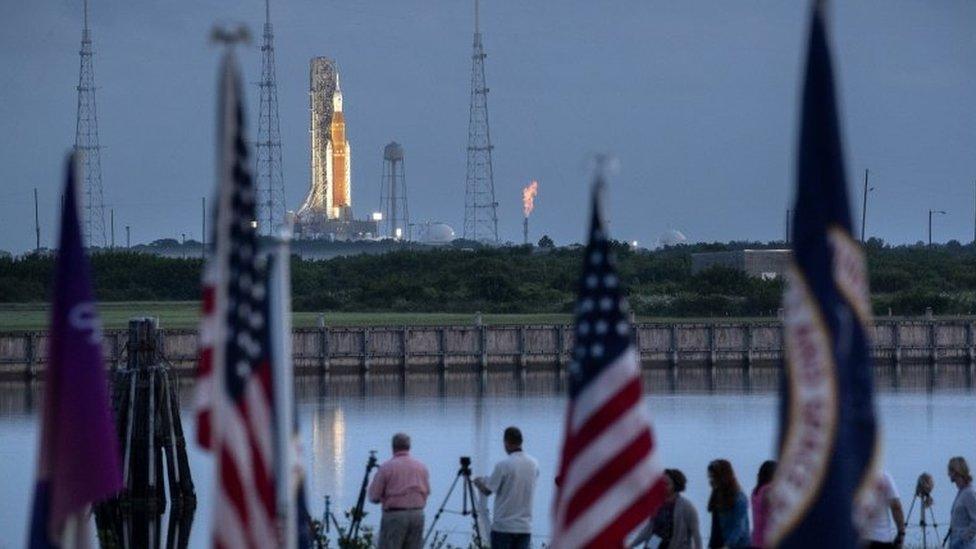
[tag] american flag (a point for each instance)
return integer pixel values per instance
(610, 480)
(234, 387)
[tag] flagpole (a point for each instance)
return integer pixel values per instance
(282, 381)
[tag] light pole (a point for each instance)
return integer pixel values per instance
(930, 222)
(789, 216)
(864, 204)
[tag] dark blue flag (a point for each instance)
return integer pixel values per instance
(828, 433)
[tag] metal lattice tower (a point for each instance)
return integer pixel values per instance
(270, 181)
(86, 142)
(480, 207)
(393, 193)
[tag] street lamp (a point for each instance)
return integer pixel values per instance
(930, 222)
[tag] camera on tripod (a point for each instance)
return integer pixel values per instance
(468, 504)
(923, 496)
(923, 488)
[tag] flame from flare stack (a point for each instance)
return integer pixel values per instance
(528, 197)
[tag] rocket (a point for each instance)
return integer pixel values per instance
(339, 154)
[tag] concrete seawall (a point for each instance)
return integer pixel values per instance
(487, 349)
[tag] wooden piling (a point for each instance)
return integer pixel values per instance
(153, 447)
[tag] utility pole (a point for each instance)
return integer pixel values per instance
(864, 205)
(128, 243)
(942, 212)
(788, 220)
(37, 225)
(203, 225)
(113, 227)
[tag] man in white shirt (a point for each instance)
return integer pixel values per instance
(512, 483)
(880, 534)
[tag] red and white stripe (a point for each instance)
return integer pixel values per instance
(245, 511)
(204, 387)
(610, 478)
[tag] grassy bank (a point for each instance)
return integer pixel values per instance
(186, 314)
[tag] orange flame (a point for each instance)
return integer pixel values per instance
(528, 197)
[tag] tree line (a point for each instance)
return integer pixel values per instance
(905, 280)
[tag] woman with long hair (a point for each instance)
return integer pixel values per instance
(760, 501)
(962, 518)
(728, 506)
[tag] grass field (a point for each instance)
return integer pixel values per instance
(185, 314)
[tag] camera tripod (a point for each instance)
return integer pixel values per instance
(467, 496)
(925, 502)
(356, 515)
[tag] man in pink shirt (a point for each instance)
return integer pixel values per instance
(402, 485)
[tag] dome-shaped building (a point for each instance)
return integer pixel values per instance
(436, 233)
(672, 237)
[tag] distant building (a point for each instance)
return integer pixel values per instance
(765, 264)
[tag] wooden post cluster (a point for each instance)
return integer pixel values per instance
(154, 462)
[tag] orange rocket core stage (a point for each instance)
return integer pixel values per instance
(340, 174)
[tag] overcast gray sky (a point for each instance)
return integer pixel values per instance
(697, 100)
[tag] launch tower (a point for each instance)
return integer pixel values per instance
(270, 181)
(480, 207)
(86, 142)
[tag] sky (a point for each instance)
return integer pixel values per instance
(696, 100)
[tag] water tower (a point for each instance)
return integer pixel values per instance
(393, 193)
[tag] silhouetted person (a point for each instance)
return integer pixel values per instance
(512, 483)
(401, 485)
(962, 518)
(879, 533)
(676, 521)
(760, 502)
(728, 506)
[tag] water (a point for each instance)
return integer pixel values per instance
(342, 420)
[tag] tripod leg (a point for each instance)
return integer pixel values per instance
(908, 517)
(921, 524)
(440, 511)
(469, 486)
(935, 526)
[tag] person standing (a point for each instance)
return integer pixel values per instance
(728, 506)
(676, 521)
(760, 501)
(880, 534)
(401, 485)
(512, 483)
(962, 518)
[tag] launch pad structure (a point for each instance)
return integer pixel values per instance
(327, 209)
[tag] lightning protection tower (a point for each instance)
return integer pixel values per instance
(480, 207)
(86, 142)
(270, 181)
(393, 192)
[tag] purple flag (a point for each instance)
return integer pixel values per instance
(78, 456)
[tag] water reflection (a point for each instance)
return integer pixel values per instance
(699, 414)
(329, 447)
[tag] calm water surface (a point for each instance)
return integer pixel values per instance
(342, 420)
